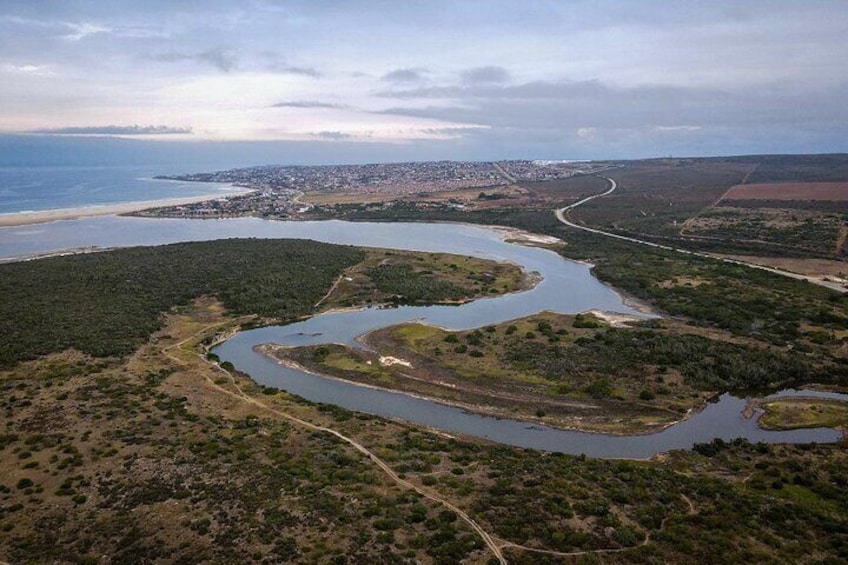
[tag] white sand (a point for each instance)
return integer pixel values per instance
(40, 217)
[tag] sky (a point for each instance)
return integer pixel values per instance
(338, 81)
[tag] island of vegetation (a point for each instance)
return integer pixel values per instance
(567, 371)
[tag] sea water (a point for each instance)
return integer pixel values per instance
(34, 189)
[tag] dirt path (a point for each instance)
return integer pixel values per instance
(239, 394)
(689, 221)
(646, 541)
(338, 280)
(840, 239)
(495, 545)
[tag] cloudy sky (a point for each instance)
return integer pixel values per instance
(478, 80)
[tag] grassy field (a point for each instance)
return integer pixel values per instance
(787, 414)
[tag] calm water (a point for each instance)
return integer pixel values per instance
(48, 188)
(567, 287)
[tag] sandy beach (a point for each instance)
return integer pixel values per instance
(42, 216)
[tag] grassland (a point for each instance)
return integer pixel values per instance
(792, 413)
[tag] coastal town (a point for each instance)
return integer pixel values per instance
(277, 191)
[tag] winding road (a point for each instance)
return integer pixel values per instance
(561, 214)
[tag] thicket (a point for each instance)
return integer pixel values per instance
(407, 285)
(108, 303)
(705, 364)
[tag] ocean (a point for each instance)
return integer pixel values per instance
(34, 189)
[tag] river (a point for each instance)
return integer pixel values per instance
(567, 287)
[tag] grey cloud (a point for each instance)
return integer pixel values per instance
(115, 130)
(307, 104)
(424, 92)
(403, 75)
(454, 131)
(275, 62)
(485, 75)
(221, 59)
(286, 69)
(570, 105)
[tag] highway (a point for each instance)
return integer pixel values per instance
(561, 216)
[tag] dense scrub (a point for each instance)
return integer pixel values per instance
(104, 463)
(408, 286)
(729, 502)
(108, 303)
(705, 364)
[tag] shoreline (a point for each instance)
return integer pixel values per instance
(269, 350)
(17, 219)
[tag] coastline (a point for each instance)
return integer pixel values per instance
(16, 219)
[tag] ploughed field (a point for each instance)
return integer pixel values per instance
(831, 191)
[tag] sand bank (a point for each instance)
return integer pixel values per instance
(42, 216)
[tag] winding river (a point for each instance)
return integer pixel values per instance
(567, 287)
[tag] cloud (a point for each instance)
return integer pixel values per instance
(220, 58)
(285, 69)
(485, 75)
(82, 30)
(307, 104)
(332, 135)
(586, 133)
(682, 129)
(594, 107)
(403, 75)
(28, 69)
(450, 132)
(115, 130)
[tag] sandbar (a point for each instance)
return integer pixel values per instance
(42, 216)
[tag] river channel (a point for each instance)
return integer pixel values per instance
(566, 287)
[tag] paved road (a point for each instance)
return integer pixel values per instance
(561, 216)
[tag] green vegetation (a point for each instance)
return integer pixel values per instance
(742, 503)
(131, 469)
(792, 413)
(403, 282)
(145, 459)
(404, 277)
(540, 366)
(711, 293)
(745, 301)
(108, 303)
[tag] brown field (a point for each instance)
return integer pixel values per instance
(833, 191)
(332, 198)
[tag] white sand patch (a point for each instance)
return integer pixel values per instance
(386, 361)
